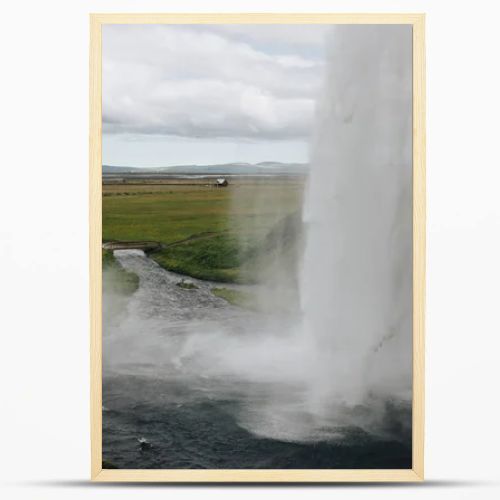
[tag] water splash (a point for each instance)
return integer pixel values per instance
(356, 279)
(347, 363)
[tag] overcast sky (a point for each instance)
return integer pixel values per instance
(201, 94)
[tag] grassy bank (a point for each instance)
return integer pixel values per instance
(207, 233)
(238, 298)
(116, 278)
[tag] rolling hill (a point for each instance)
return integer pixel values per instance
(262, 168)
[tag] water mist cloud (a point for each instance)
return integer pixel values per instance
(344, 357)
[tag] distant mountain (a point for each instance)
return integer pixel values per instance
(110, 169)
(268, 167)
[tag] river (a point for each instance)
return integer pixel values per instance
(190, 381)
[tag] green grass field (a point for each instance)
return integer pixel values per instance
(117, 279)
(239, 298)
(206, 232)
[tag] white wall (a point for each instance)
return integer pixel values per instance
(44, 430)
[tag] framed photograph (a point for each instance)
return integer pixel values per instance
(257, 247)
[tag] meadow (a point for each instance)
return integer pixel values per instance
(219, 234)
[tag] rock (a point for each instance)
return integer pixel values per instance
(186, 284)
(144, 443)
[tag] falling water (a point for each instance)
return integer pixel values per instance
(210, 384)
(356, 280)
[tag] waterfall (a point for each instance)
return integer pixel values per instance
(343, 361)
(356, 279)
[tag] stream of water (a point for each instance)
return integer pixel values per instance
(190, 381)
(210, 385)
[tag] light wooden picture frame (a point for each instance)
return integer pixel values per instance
(416, 473)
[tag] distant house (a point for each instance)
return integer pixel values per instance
(221, 182)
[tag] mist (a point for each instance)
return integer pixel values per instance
(356, 280)
(330, 347)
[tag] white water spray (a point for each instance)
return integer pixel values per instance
(357, 271)
(351, 354)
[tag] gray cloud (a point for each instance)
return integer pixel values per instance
(211, 81)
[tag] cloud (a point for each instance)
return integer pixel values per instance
(208, 81)
(306, 40)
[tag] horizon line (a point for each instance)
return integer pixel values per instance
(207, 164)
